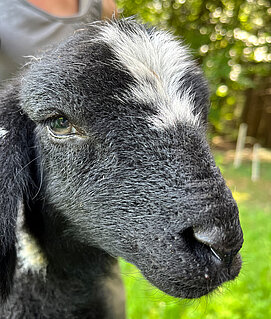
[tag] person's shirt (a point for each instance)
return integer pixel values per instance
(25, 30)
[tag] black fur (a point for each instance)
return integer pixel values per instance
(15, 178)
(124, 187)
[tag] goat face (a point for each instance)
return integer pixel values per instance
(120, 114)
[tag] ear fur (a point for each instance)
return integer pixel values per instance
(16, 180)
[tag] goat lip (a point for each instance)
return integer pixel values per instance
(209, 274)
(207, 282)
(218, 273)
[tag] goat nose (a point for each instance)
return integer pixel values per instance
(223, 247)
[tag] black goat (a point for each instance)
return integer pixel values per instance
(103, 154)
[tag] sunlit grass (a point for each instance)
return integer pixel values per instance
(249, 297)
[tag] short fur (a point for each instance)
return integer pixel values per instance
(139, 183)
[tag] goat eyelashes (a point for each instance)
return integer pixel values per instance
(119, 167)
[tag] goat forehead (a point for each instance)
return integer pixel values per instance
(159, 65)
(122, 65)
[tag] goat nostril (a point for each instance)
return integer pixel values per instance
(211, 237)
(206, 235)
(215, 254)
(223, 256)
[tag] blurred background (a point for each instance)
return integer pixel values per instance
(231, 40)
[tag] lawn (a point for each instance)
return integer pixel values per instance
(247, 297)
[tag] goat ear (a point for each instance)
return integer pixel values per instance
(16, 182)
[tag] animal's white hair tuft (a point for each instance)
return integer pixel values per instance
(30, 256)
(158, 64)
(3, 132)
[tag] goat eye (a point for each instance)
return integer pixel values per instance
(61, 126)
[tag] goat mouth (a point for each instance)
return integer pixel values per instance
(192, 268)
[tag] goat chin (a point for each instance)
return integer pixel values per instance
(103, 146)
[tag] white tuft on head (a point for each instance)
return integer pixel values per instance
(3, 132)
(159, 65)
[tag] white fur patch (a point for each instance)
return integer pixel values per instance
(30, 256)
(158, 63)
(3, 132)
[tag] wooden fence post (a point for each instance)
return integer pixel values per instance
(255, 174)
(240, 145)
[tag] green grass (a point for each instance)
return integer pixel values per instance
(248, 297)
